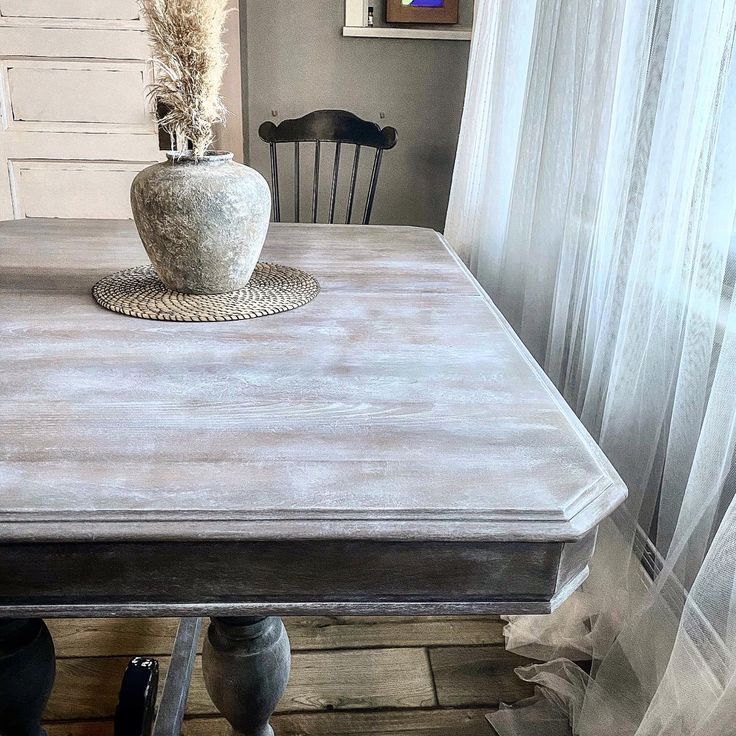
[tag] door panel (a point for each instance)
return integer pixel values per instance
(74, 43)
(78, 95)
(69, 189)
(92, 146)
(88, 9)
(75, 121)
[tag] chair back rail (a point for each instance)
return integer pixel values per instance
(327, 126)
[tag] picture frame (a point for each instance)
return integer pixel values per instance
(422, 11)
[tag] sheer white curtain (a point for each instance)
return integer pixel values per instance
(594, 196)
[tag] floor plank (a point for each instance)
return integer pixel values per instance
(79, 728)
(110, 637)
(374, 678)
(344, 632)
(477, 676)
(151, 637)
(413, 722)
(382, 723)
(86, 688)
(387, 676)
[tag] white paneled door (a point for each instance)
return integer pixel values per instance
(75, 121)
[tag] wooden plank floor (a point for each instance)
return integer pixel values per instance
(383, 676)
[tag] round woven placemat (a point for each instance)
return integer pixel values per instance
(272, 288)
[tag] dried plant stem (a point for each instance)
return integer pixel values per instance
(189, 58)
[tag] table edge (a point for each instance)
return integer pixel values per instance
(583, 513)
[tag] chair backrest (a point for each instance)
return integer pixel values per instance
(327, 126)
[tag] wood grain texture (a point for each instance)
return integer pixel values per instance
(110, 637)
(477, 675)
(87, 688)
(231, 578)
(375, 678)
(321, 700)
(344, 632)
(399, 403)
(413, 722)
(389, 448)
(106, 637)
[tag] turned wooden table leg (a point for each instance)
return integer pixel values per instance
(246, 665)
(27, 669)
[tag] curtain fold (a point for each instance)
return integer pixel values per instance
(594, 197)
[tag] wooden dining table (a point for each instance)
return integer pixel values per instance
(389, 448)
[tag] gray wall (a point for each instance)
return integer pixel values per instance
(297, 60)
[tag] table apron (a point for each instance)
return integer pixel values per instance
(243, 578)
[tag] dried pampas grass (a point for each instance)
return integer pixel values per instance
(190, 59)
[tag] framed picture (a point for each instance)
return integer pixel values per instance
(421, 11)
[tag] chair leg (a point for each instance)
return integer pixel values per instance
(137, 699)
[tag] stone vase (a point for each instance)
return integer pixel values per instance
(202, 222)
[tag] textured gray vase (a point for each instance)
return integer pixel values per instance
(203, 223)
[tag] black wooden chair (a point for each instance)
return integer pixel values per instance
(327, 126)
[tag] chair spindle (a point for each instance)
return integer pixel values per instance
(333, 191)
(372, 187)
(353, 180)
(296, 182)
(315, 189)
(275, 184)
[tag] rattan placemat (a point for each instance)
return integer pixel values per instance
(273, 288)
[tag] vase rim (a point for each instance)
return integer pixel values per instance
(211, 156)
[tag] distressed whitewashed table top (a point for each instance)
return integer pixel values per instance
(397, 405)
